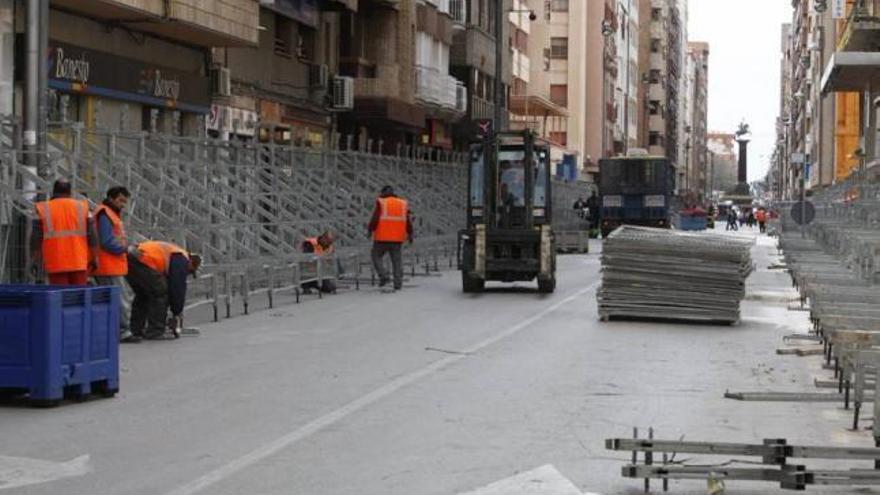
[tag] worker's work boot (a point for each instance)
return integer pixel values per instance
(383, 282)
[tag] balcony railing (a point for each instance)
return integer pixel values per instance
(862, 27)
(436, 88)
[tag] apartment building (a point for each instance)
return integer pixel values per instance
(552, 100)
(135, 65)
(823, 131)
(697, 118)
(278, 90)
(662, 72)
(472, 61)
(626, 89)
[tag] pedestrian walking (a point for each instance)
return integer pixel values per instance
(319, 246)
(751, 219)
(390, 227)
(64, 238)
(157, 273)
(112, 254)
(731, 220)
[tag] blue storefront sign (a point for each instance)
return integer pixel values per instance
(302, 11)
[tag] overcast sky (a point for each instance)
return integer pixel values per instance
(744, 58)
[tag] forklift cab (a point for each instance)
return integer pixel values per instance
(509, 214)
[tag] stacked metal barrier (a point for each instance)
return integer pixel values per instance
(664, 274)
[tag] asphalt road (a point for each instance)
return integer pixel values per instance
(425, 391)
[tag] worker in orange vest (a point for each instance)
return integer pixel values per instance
(321, 245)
(64, 237)
(112, 258)
(390, 227)
(761, 217)
(157, 273)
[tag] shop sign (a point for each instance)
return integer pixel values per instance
(83, 70)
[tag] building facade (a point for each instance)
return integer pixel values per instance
(278, 90)
(553, 100)
(472, 61)
(696, 161)
(662, 72)
(723, 163)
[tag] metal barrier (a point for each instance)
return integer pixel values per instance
(835, 268)
(246, 207)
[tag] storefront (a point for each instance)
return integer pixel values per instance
(109, 91)
(235, 122)
(286, 124)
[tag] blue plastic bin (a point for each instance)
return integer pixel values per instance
(57, 339)
(692, 223)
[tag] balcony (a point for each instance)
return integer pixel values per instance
(862, 32)
(438, 89)
(386, 84)
(203, 23)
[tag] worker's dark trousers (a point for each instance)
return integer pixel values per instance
(150, 306)
(378, 253)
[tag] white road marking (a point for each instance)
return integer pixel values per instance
(545, 480)
(16, 472)
(281, 443)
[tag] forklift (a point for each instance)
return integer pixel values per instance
(509, 235)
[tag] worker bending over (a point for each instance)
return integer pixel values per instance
(157, 273)
(319, 246)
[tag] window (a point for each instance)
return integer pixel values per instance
(654, 139)
(305, 46)
(559, 48)
(559, 6)
(654, 107)
(656, 14)
(655, 45)
(654, 76)
(559, 94)
(283, 36)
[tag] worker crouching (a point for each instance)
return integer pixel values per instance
(157, 273)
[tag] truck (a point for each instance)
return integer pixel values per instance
(637, 189)
(509, 235)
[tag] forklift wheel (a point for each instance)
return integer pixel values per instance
(471, 284)
(547, 286)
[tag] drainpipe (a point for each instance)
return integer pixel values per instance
(499, 58)
(32, 80)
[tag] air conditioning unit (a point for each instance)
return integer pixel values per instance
(343, 93)
(318, 76)
(221, 81)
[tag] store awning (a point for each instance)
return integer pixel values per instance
(851, 71)
(535, 106)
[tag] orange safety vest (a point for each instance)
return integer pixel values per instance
(65, 234)
(109, 264)
(392, 220)
(316, 246)
(157, 254)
